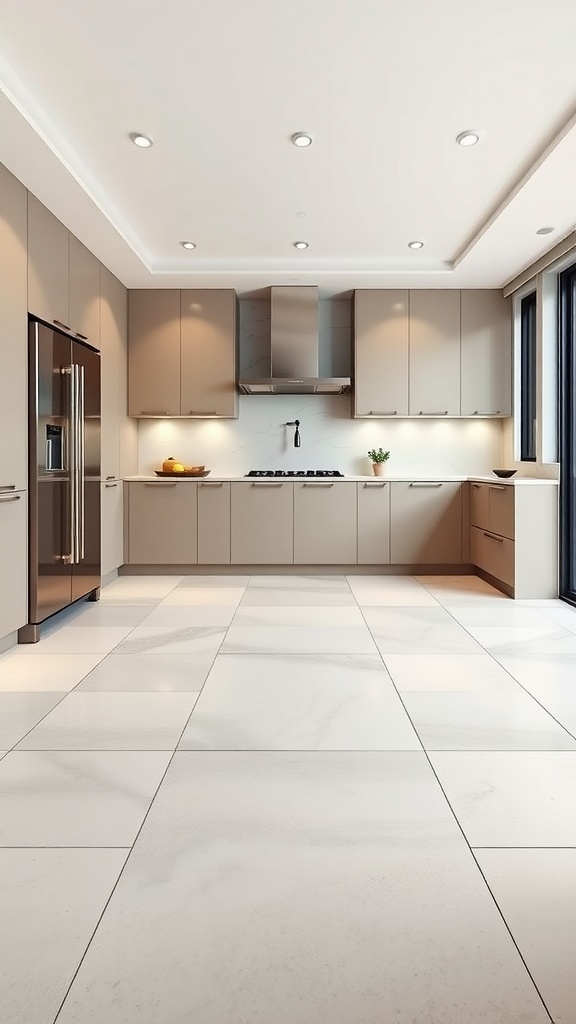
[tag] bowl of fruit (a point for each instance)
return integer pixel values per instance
(173, 467)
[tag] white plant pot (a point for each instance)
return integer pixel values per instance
(379, 468)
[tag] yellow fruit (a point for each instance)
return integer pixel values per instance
(168, 466)
(177, 467)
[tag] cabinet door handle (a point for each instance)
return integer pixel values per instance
(266, 484)
(497, 487)
(499, 540)
(161, 485)
(317, 485)
(382, 483)
(111, 477)
(153, 412)
(477, 486)
(84, 337)
(425, 412)
(112, 485)
(194, 412)
(490, 412)
(376, 412)
(5, 498)
(60, 324)
(213, 483)
(7, 487)
(424, 484)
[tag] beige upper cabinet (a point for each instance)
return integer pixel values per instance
(208, 353)
(434, 353)
(262, 523)
(154, 352)
(381, 358)
(13, 335)
(48, 263)
(426, 523)
(374, 523)
(486, 354)
(213, 522)
(84, 292)
(325, 523)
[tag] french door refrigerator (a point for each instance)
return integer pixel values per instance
(64, 474)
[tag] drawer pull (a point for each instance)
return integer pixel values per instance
(9, 497)
(318, 485)
(477, 486)
(491, 412)
(267, 484)
(60, 324)
(376, 412)
(213, 483)
(424, 484)
(497, 487)
(111, 477)
(499, 540)
(426, 413)
(383, 483)
(7, 487)
(111, 485)
(194, 412)
(161, 485)
(153, 412)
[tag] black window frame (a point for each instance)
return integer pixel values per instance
(528, 378)
(567, 430)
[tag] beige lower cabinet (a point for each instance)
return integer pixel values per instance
(374, 523)
(162, 523)
(112, 525)
(492, 553)
(262, 525)
(325, 523)
(426, 523)
(213, 522)
(13, 562)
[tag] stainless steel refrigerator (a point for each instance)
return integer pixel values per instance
(64, 474)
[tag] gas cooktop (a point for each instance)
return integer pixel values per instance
(294, 472)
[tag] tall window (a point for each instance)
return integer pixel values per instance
(528, 378)
(567, 403)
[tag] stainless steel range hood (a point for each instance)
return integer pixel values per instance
(294, 359)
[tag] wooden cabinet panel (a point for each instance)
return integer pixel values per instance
(262, 523)
(213, 523)
(112, 525)
(154, 352)
(84, 292)
(208, 353)
(381, 352)
(48, 264)
(434, 352)
(374, 523)
(13, 562)
(325, 523)
(13, 334)
(163, 523)
(501, 520)
(486, 347)
(493, 554)
(426, 523)
(479, 505)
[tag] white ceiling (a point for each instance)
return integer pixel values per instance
(383, 88)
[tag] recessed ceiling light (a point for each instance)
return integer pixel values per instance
(142, 141)
(188, 245)
(300, 245)
(467, 138)
(301, 139)
(545, 231)
(415, 245)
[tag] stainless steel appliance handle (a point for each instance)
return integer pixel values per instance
(81, 460)
(71, 452)
(9, 497)
(7, 487)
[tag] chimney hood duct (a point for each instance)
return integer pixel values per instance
(294, 362)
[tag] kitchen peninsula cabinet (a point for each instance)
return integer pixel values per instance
(213, 522)
(208, 353)
(486, 342)
(13, 562)
(48, 265)
(381, 352)
(426, 523)
(374, 523)
(154, 352)
(434, 327)
(13, 334)
(84, 292)
(162, 523)
(262, 523)
(325, 526)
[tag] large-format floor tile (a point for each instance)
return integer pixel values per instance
(78, 798)
(300, 615)
(190, 615)
(477, 673)
(50, 902)
(79, 640)
(142, 586)
(23, 671)
(457, 590)
(173, 640)
(144, 672)
(301, 887)
(513, 798)
(418, 631)
(185, 597)
(110, 615)
(542, 674)
(113, 721)
(211, 582)
(535, 892)
(564, 616)
(259, 702)
(480, 721)
(20, 712)
(292, 591)
(510, 614)
(390, 591)
(550, 639)
(298, 640)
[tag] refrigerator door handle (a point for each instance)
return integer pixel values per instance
(81, 462)
(71, 457)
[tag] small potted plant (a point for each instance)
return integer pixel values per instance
(378, 457)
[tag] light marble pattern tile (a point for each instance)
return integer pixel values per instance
(459, 590)
(511, 798)
(403, 597)
(511, 614)
(292, 591)
(543, 674)
(214, 582)
(483, 721)
(550, 639)
(296, 887)
(298, 640)
(183, 597)
(110, 615)
(535, 892)
(3, 754)
(163, 673)
(142, 586)
(173, 640)
(418, 631)
(20, 712)
(190, 615)
(448, 672)
(113, 721)
(299, 615)
(76, 798)
(78, 640)
(20, 670)
(564, 616)
(331, 702)
(320, 584)
(50, 902)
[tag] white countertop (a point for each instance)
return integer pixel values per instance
(440, 477)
